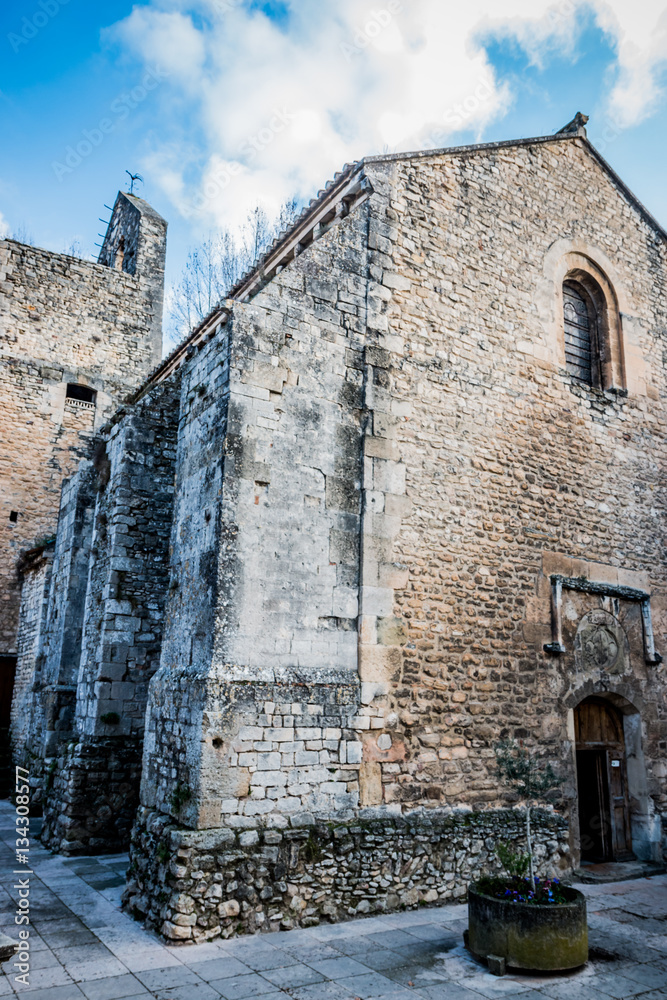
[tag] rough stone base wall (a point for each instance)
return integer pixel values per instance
(91, 794)
(195, 886)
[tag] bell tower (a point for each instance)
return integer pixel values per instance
(135, 244)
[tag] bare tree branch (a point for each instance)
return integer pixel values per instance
(213, 267)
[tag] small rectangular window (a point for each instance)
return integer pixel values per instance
(80, 396)
(82, 392)
(13, 516)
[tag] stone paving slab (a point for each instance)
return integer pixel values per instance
(84, 947)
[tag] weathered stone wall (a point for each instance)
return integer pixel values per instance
(44, 438)
(65, 320)
(34, 603)
(195, 886)
(93, 792)
(129, 569)
(265, 551)
(134, 243)
(287, 760)
(509, 463)
(48, 718)
(381, 463)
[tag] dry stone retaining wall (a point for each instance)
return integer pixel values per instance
(196, 886)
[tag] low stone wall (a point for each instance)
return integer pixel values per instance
(199, 885)
(90, 796)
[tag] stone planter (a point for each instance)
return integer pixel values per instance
(549, 938)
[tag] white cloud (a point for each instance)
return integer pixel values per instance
(639, 30)
(4, 227)
(265, 110)
(167, 39)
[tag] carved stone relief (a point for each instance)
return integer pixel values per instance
(601, 644)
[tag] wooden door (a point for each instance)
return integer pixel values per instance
(597, 723)
(604, 807)
(619, 806)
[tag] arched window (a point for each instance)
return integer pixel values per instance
(583, 312)
(582, 342)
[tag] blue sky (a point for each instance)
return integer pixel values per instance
(221, 103)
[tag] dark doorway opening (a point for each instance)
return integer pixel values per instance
(7, 673)
(604, 808)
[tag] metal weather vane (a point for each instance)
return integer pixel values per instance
(133, 178)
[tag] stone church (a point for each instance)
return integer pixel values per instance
(401, 495)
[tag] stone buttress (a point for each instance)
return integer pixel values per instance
(94, 769)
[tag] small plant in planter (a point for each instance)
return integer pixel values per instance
(521, 771)
(517, 919)
(515, 887)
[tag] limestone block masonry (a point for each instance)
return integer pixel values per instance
(94, 770)
(57, 650)
(36, 571)
(90, 795)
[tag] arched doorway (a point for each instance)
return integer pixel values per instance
(604, 808)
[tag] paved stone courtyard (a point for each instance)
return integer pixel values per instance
(83, 946)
